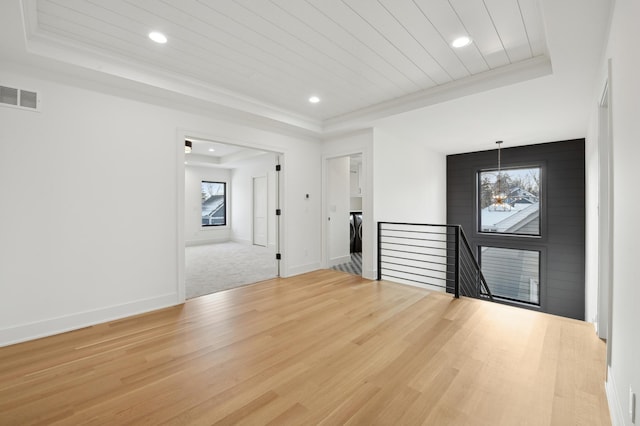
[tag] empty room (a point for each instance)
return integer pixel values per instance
(319, 212)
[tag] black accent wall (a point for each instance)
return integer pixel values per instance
(562, 215)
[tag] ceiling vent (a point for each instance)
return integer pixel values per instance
(19, 98)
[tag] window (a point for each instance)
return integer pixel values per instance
(512, 274)
(214, 201)
(509, 201)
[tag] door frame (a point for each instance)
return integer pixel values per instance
(181, 135)
(606, 258)
(368, 240)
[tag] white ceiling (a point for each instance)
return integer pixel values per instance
(386, 63)
(351, 53)
(215, 154)
(204, 147)
(551, 108)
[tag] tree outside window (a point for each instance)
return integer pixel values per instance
(214, 212)
(509, 201)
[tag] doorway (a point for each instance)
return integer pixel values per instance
(344, 212)
(238, 244)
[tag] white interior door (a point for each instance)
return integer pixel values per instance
(260, 211)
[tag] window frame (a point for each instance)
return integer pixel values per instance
(225, 205)
(541, 199)
(541, 261)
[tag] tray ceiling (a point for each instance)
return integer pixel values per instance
(353, 54)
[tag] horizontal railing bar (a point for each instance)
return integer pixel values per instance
(444, 238)
(420, 275)
(418, 239)
(423, 254)
(444, 234)
(420, 260)
(417, 232)
(402, 245)
(454, 227)
(415, 245)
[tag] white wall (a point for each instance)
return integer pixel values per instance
(90, 214)
(625, 105)
(410, 180)
(194, 232)
(242, 199)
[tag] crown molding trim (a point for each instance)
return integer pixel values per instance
(511, 74)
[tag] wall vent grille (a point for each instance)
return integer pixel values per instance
(19, 98)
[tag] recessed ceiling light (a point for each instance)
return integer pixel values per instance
(158, 37)
(314, 99)
(211, 150)
(461, 42)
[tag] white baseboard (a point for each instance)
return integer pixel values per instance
(615, 408)
(370, 274)
(339, 260)
(300, 269)
(192, 243)
(242, 241)
(62, 324)
(270, 246)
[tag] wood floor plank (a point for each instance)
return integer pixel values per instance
(320, 348)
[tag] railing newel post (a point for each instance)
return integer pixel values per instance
(379, 260)
(456, 288)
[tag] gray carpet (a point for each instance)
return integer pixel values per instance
(215, 267)
(354, 267)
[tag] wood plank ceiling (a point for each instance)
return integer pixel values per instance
(351, 53)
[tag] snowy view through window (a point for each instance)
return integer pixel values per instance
(213, 204)
(510, 202)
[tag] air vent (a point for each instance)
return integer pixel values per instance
(19, 98)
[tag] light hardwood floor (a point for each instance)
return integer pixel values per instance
(321, 348)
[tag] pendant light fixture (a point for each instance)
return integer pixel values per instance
(187, 146)
(498, 196)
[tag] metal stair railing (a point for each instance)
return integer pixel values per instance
(433, 255)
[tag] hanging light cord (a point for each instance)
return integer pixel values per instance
(499, 197)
